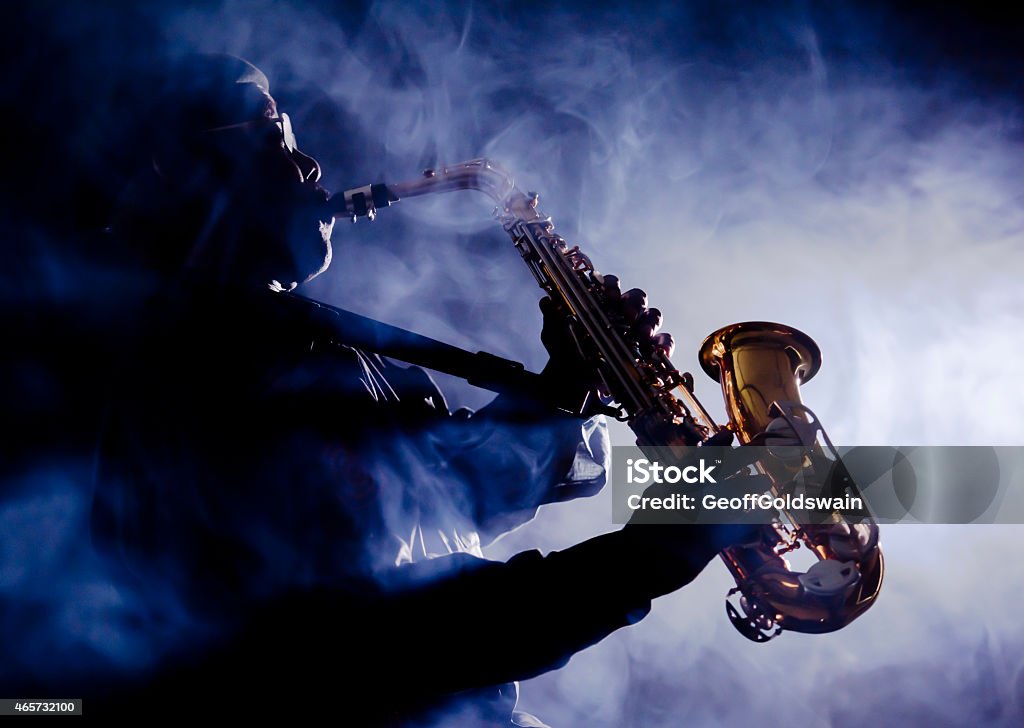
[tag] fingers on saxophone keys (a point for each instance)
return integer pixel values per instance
(647, 324)
(665, 343)
(611, 286)
(634, 303)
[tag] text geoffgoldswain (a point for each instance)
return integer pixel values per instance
(643, 471)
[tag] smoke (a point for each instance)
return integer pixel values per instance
(736, 163)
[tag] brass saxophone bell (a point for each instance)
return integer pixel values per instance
(758, 363)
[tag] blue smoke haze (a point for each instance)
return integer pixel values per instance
(851, 170)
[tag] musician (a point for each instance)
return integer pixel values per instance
(301, 528)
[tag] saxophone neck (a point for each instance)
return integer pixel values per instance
(482, 175)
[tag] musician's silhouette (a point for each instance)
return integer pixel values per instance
(304, 525)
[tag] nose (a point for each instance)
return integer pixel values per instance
(308, 167)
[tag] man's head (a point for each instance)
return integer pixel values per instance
(230, 197)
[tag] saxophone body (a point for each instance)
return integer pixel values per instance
(760, 367)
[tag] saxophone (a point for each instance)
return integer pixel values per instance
(759, 365)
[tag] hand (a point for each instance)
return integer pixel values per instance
(568, 366)
(570, 375)
(666, 557)
(559, 342)
(639, 563)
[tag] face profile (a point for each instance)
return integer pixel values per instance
(279, 171)
(255, 210)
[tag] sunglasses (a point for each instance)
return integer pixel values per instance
(280, 129)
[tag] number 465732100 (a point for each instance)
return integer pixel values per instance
(51, 707)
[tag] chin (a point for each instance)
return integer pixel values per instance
(323, 259)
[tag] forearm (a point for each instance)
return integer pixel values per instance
(482, 623)
(499, 622)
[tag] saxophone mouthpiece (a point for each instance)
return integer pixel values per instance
(361, 201)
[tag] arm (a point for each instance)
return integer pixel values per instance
(456, 623)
